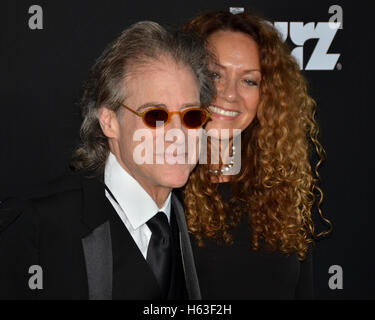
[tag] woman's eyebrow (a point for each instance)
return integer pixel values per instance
(252, 70)
(218, 65)
(245, 71)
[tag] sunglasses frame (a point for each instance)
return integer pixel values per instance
(170, 114)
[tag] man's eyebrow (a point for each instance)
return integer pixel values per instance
(150, 104)
(162, 105)
(191, 104)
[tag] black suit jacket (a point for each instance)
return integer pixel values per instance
(68, 234)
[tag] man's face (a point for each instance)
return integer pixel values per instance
(159, 83)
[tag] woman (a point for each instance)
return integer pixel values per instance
(252, 231)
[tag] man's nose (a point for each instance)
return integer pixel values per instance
(175, 121)
(174, 130)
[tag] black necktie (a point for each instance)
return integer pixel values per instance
(159, 250)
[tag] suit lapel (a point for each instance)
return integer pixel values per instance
(96, 240)
(97, 249)
(192, 284)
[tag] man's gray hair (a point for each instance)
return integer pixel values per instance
(137, 45)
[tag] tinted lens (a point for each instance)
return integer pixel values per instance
(194, 118)
(152, 116)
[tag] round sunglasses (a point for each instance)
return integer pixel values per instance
(192, 118)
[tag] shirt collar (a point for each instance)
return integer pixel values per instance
(136, 203)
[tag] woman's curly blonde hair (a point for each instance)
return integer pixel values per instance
(276, 187)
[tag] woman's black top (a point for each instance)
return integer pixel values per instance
(237, 272)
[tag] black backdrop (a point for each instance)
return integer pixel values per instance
(41, 76)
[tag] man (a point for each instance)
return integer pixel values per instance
(112, 229)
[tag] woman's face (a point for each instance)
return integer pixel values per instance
(237, 78)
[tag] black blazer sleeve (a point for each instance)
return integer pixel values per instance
(18, 250)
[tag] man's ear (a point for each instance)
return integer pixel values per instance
(108, 122)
